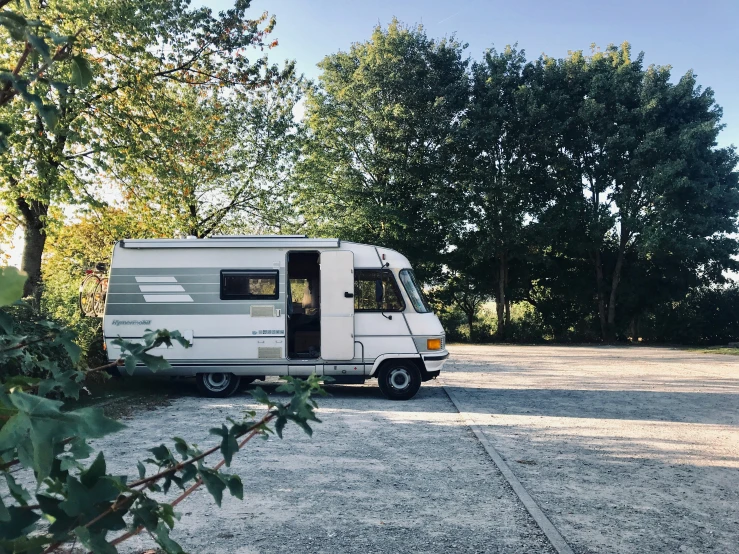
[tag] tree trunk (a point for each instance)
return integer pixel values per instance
(614, 284)
(471, 321)
(500, 301)
(34, 239)
(507, 312)
(601, 296)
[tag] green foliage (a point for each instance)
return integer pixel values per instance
(13, 281)
(106, 76)
(73, 501)
(706, 316)
(381, 126)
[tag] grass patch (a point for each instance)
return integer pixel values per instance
(729, 351)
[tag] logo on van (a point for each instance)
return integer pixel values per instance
(117, 322)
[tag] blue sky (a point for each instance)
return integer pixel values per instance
(686, 34)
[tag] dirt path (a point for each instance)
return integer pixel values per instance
(377, 477)
(626, 450)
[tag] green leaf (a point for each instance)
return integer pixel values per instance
(11, 285)
(189, 472)
(229, 446)
(95, 542)
(4, 514)
(19, 523)
(81, 72)
(80, 449)
(87, 501)
(142, 470)
(162, 453)
(17, 491)
(260, 396)
(181, 447)
(6, 323)
(214, 483)
(51, 507)
(130, 365)
(72, 348)
(91, 475)
(43, 421)
(40, 45)
(236, 487)
(49, 114)
(154, 363)
(161, 535)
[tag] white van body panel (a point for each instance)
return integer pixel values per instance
(176, 284)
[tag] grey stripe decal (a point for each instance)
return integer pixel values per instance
(167, 271)
(190, 288)
(189, 308)
(140, 298)
(178, 271)
(199, 337)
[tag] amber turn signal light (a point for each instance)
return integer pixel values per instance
(433, 344)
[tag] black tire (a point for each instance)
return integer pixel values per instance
(101, 291)
(217, 385)
(399, 380)
(86, 300)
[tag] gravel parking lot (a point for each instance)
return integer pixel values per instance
(377, 477)
(625, 450)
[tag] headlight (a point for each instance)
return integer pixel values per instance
(433, 344)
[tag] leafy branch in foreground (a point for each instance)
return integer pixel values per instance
(87, 504)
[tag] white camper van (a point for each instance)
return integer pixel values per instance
(254, 306)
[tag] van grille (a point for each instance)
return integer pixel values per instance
(271, 352)
(262, 311)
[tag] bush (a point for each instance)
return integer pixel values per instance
(706, 316)
(76, 502)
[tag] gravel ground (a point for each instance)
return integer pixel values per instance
(377, 477)
(626, 450)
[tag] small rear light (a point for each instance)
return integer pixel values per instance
(433, 344)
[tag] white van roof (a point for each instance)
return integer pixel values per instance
(232, 241)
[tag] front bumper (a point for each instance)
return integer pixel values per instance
(434, 361)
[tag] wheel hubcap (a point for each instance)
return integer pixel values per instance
(400, 378)
(217, 381)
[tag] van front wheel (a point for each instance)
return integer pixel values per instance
(217, 385)
(399, 380)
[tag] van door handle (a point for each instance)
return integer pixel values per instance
(348, 295)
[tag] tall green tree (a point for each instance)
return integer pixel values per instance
(133, 47)
(505, 170)
(378, 163)
(220, 161)
(644, 151)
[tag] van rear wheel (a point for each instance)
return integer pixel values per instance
(217, 385)
(399, 380)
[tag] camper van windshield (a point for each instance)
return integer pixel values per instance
(414, 291)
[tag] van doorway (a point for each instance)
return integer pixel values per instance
(303, 306)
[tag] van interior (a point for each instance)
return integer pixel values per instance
(303, 305)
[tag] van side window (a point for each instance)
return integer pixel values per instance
(375, 290)
(245, 284)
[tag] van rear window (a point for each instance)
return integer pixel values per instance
(241, 284)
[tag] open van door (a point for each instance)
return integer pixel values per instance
(337, 305)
